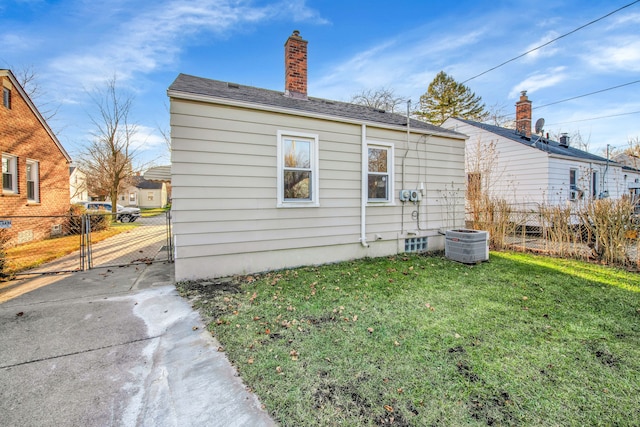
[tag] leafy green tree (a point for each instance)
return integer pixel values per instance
(447, 98)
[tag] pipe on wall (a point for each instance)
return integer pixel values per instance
(364, 193)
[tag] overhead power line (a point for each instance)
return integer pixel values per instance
(551, 41)
(587, 94)
(595, 118)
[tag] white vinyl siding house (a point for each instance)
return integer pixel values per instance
(239, 205)
(530, 172)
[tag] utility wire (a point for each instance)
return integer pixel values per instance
(587, 94)
(595, 118)
(551, 41)
(579, 96)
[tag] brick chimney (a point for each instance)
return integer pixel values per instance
(523, 114)
(295, 66)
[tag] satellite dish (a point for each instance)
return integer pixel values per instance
(539, 125)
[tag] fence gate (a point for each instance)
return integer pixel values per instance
(80, 242)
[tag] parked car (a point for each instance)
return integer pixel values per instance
(123, 214)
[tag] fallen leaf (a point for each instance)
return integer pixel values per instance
(195, 328)
(400, 390)
(525, 298)
(20, 314)
(355, 317)
(220, 349)
(267, 331)
(396, 343)
(250, 361)
(457, 336)
(278, 369)
(256, 318)
(370, 330)
(388, 408)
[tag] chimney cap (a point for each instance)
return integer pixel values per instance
(296, 33)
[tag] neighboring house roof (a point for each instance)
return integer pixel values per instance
(143, 184)
(23, 94)
(158, 173)
(542, 144)
(199, 87)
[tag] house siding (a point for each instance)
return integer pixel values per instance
(224, 197)
(23, 135)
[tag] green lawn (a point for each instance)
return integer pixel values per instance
(421, 341)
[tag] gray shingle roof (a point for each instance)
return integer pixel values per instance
(218, 89)
(542, 144)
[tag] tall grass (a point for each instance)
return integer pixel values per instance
(604, 230)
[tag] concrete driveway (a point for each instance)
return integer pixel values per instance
(114, 347)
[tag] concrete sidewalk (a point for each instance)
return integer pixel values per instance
(114, 347)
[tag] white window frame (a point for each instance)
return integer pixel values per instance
(390, 200)
(13, 171)
(150, 196)
(314, 201)
(35, 171)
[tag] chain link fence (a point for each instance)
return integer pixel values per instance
(66, 243)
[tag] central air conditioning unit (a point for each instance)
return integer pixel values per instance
(467, 246)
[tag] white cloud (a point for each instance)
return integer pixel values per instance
(535, 82)
(544, 52)
(619, 54)
(152, 39)
(14, 42)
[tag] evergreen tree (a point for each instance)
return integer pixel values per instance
(447, 98)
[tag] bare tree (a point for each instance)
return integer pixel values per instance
(28, 79)
(382, 99)
(497, 116)
(576, 138)
(107, 159)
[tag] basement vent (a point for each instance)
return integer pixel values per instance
(56, 230)
(415, 244)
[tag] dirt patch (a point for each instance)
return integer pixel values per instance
(492, 410)
(465, 370)
(606, 358)
(347, 400)
(211, 298)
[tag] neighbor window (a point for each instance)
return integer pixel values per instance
(6, 97)
(573, 184)
(379, 172)
(132, 197)
(297, 169)
(33, 183)
(9, 181)
(150, 196)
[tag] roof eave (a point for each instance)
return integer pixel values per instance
(189, 96)
(43, 122)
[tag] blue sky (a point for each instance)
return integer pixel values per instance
(74, 46)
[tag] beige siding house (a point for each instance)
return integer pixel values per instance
(144, 193)
(266, 180)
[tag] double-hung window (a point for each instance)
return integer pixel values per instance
(297, 169)
(33, 181)
(380, 172)
(9, 174)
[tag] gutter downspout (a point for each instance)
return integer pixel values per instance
(364, 192)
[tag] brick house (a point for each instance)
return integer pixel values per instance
(35, 167)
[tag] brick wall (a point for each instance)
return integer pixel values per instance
(23, 136)
(523, 114)
(295, 63)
